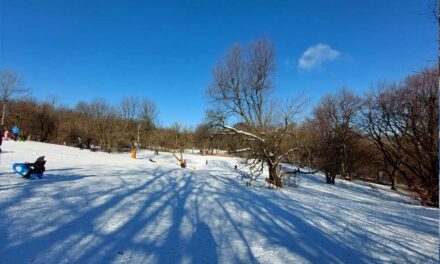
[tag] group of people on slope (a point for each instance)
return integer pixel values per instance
(14, 134)
(26, 169)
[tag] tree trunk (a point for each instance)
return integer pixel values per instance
(393, 180)
(393, 184)
(328, 178)
(433, 200)
(274, 177)
(343, 170)
(3, 113)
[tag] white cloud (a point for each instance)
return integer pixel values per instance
(315, 55)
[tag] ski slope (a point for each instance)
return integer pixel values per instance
(108, 208)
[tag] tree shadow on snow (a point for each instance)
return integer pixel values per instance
(48, 178)
(64, 169)
(202, 245)
(88, 234)
(174, 216)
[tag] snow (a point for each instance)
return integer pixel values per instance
(94, 207)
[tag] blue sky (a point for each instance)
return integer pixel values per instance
(165, 50)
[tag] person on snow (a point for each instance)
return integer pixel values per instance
(37, 167)
(133, 151)
(80, 143)
(92, 147)
(15, 131)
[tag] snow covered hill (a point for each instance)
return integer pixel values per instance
(109, 208)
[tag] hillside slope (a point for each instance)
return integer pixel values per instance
(101, 208)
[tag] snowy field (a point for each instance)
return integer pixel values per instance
(109, 208)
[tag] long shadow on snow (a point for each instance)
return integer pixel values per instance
(202, 245)
(64, 169)
(171, 246)
(315, 245)
(167, 201)
(379, 233)
(26, 186)
(380, 211)
(98, 246)
(83, 223)
(284, 229)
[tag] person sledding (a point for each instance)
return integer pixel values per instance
(31, 170)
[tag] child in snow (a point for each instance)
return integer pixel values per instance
(37, 167)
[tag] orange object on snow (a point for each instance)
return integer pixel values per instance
(133, 153)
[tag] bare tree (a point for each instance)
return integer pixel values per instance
(103, 127)
(129, 108)
(52, 99)
(140, 115)
(241, 88)
(148, 112)
(147, 116)
(179, 133)
(11, 84)
(402, 121)
(378, 125)
(334, 119)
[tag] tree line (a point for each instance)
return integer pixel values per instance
(112, 127)
(388, 135)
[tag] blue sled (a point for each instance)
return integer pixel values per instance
(22, 169)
